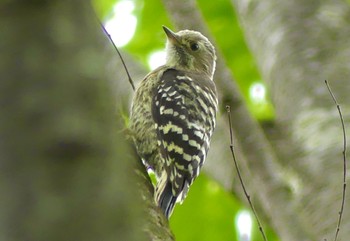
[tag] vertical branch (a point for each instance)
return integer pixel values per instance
(344, 161)
(228, 109)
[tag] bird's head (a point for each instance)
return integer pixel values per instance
(190, 51)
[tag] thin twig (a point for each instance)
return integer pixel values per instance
(228, 109)
(126, 69)
(344, 161)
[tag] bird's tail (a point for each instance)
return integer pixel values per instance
(165, 198)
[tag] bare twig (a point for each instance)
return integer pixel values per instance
(228, 109)
(121, 58)
(344, 162)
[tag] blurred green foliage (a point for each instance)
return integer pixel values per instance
(103, 7)
(223, 23)
(209, 212)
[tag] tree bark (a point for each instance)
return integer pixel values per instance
(67, 171)
(299, 44)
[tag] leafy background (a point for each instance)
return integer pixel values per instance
(209, 212)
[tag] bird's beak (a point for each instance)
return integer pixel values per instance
(172, 37)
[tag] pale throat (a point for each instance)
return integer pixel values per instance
(178, 60)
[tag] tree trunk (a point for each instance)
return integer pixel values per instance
(67, 171)
(299, 44)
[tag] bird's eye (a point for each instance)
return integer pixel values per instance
(194, 46)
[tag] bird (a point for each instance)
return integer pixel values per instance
(173, 115)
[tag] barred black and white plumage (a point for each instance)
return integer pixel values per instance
(173, 115)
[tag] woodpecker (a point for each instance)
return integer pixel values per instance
(173, 115)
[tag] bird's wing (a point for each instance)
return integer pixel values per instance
(184, 109)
